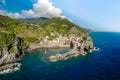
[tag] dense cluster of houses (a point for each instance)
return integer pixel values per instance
(60, 41)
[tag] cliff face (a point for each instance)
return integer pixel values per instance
(88, 44)
(12, 52)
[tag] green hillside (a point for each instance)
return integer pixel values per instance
(62, 26)
(11, 29)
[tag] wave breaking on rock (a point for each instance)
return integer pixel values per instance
(8, 68)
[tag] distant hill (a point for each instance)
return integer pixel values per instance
(38, 21)
(34, 20)
(62, 26)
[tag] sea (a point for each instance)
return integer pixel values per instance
(103, 64)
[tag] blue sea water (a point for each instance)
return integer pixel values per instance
(99, 65)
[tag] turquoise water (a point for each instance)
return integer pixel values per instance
(99, 65)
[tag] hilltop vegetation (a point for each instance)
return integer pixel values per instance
(11, 29)
(62, 26)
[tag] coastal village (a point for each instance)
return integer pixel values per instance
(79, 46)
(60, 41)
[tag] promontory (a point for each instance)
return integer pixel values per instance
(20, 35)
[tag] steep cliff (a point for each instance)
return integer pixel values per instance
(11, 52)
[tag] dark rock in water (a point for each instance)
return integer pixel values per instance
(9, 68)
(95, 48)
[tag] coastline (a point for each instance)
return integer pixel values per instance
(79, 65)
(69, 54)
(85, 45)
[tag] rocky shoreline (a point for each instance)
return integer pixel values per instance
(79, 47)
(9, 68)
(67, 55)
(11, 54)
(57, 57)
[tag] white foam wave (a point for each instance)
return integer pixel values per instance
(9, 70)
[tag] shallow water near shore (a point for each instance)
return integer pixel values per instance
(98, 65)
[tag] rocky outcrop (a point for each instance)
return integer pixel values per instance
(87, 44)
(9, 68)
(57, 57)
(7, 58)
(11, 53)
